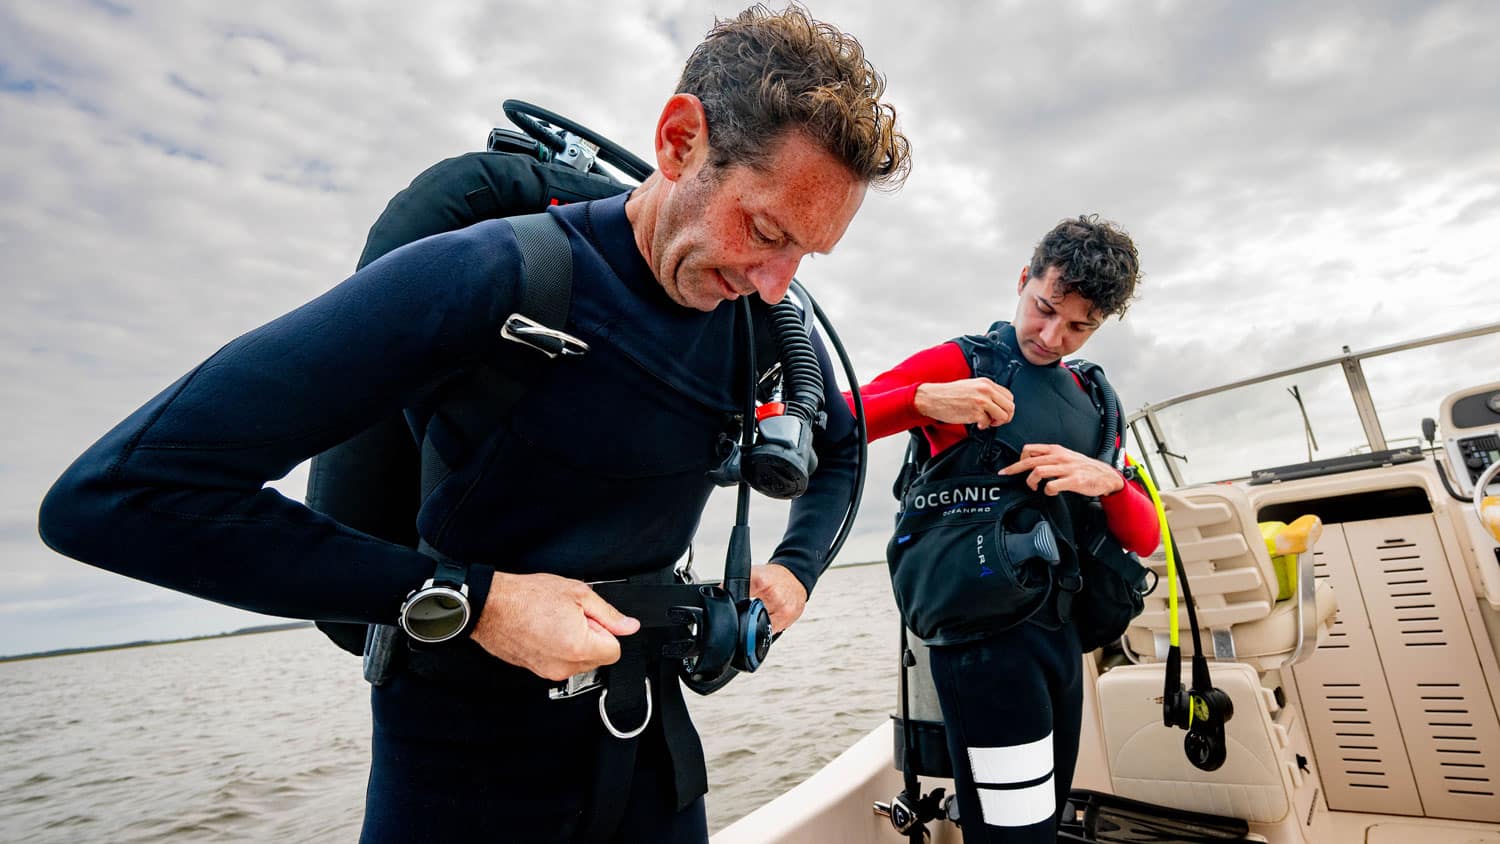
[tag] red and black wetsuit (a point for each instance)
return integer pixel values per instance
(1012, 703)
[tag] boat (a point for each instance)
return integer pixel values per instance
(1365, 703)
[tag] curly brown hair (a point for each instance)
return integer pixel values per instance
(761, 73)
(1095, 259)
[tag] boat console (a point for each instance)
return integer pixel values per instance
(1471, 425)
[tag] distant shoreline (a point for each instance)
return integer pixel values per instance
(146, 643)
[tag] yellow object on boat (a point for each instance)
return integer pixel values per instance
(1489, 515)
(1284, 542)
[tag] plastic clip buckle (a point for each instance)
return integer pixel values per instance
(549, 341)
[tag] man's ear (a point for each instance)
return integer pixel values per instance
(1021, 285)
(681, 137)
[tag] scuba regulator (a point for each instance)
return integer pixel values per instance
(1201, 709)
(774, 455)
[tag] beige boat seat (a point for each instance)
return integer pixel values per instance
(1260, 774)
(1236, 586)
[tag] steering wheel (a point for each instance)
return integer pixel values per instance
(1487, 503)
(530, 117)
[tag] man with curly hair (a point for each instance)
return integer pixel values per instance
(1011, 689)
(763, 157)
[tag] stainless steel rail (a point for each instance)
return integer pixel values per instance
(1353, 374)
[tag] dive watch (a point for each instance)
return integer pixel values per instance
(439, 610)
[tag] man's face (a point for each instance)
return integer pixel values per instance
(728, 232)
(1050, 327)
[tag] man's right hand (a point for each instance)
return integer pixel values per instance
(552, 626)
(979, 401)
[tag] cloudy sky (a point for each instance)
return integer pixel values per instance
(1298, 177)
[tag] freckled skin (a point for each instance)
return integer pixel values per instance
(1051, 327)
(712, 234)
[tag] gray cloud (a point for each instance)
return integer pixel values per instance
(1298, 177)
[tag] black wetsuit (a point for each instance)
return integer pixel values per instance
(600, 472)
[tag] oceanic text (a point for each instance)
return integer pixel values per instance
(960, 495)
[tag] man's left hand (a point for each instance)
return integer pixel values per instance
(781, 592)
(1056, 469)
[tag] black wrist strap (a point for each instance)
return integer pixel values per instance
(449, 572)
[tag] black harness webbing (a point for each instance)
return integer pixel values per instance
(491, 391)
(644, 677)
(474, 405)
(547, 269)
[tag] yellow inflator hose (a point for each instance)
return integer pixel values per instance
(1166, 541)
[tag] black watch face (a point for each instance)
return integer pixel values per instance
(435, 615)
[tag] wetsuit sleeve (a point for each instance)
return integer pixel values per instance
(1132, 518)
(816, 516)
(176, 494)
(890, 399)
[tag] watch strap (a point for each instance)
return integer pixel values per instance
(449, 572)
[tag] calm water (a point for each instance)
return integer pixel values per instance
(266, 737)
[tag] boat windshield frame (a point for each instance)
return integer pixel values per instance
(1146, 424)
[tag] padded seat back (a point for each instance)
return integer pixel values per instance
(1235, 587)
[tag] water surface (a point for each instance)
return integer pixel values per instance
(266, 737)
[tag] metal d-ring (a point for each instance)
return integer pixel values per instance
(604, 715)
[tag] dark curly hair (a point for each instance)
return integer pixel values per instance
(761, 73)
(1095, 258)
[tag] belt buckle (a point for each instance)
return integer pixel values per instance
(580, 683)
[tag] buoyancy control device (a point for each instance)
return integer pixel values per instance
(376, 481)
(975, 552)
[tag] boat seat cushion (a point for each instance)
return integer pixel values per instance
(1147, 762)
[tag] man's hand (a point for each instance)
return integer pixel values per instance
(781, 592)
(552, 626)
(973, 400)
(1056, 469)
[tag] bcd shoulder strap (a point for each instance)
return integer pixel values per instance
(537, 327)
(373, 481)
(489, 392)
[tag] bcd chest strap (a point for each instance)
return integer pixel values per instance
(1050, 406)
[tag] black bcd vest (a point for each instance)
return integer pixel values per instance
(975, 553)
